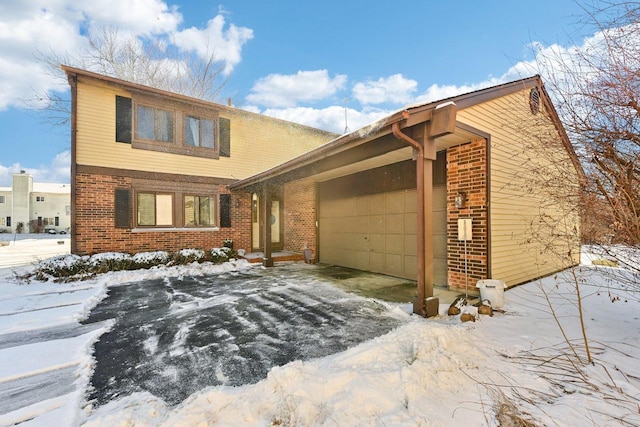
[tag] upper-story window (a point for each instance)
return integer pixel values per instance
(39, 198)
(154, 124)
(199, 132)
(1, 199)
(172, 126)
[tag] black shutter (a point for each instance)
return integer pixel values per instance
(123, 119)
(225, 210)
(225, 137)
(123, 203)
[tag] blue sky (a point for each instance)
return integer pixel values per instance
(298, 60)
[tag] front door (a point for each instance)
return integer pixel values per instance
(275, 219)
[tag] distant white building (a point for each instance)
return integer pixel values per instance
(28, 207)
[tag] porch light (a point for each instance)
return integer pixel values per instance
(460, 199)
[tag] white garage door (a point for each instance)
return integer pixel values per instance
(378, 233)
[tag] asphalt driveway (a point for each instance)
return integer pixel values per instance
(175, 336)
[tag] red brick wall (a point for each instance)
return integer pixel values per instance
(95, 231)
(467, 172)
(300, 216)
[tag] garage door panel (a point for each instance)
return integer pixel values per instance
(359, 259)
(411, 223)
(440, 198)
(439, 246)
(376, 223)
(394, 223)
(410, 244)
(394, 243)
(376, 242)
(394, 264)
(410, 201)
(376, 262)
(355, 224)
(440, 217)
(411, 265)
(394, 203)
(357, 242)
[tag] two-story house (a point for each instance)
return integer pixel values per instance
(480, 185)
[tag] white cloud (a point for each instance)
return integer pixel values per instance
(396, 89)
(58, 27)
(143, 17)
(278, 90)
(21, 34)
(57, 172)
(224, 44)
(331, 118)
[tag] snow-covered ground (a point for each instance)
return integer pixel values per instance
(430, 372)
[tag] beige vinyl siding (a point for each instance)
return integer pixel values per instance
(518, 196)
(96, 146)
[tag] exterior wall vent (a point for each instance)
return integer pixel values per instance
(534, 100)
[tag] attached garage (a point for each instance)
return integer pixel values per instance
(389, 197)
(367, 221)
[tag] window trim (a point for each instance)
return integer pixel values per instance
(180, 112)
(156, 109)
(155, 193)
(200, 121)
(178, 190)
(216, 210)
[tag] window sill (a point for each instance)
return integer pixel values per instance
(175, 148)
(173, 229)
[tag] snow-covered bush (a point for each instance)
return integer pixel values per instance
(110, 261)
(65, 268)
(187, 256)
(150, 259)
(220, 255)
(62, 266)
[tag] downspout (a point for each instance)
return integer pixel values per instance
(73, 83)
(419, 306)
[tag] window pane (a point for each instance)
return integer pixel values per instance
(199, 211)
(146, 209)
(165, 125)
(207, 133)
(275, 221)
(146, 122)
(189, 210)
(164, 209)
(191, 131)
(206, 211)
